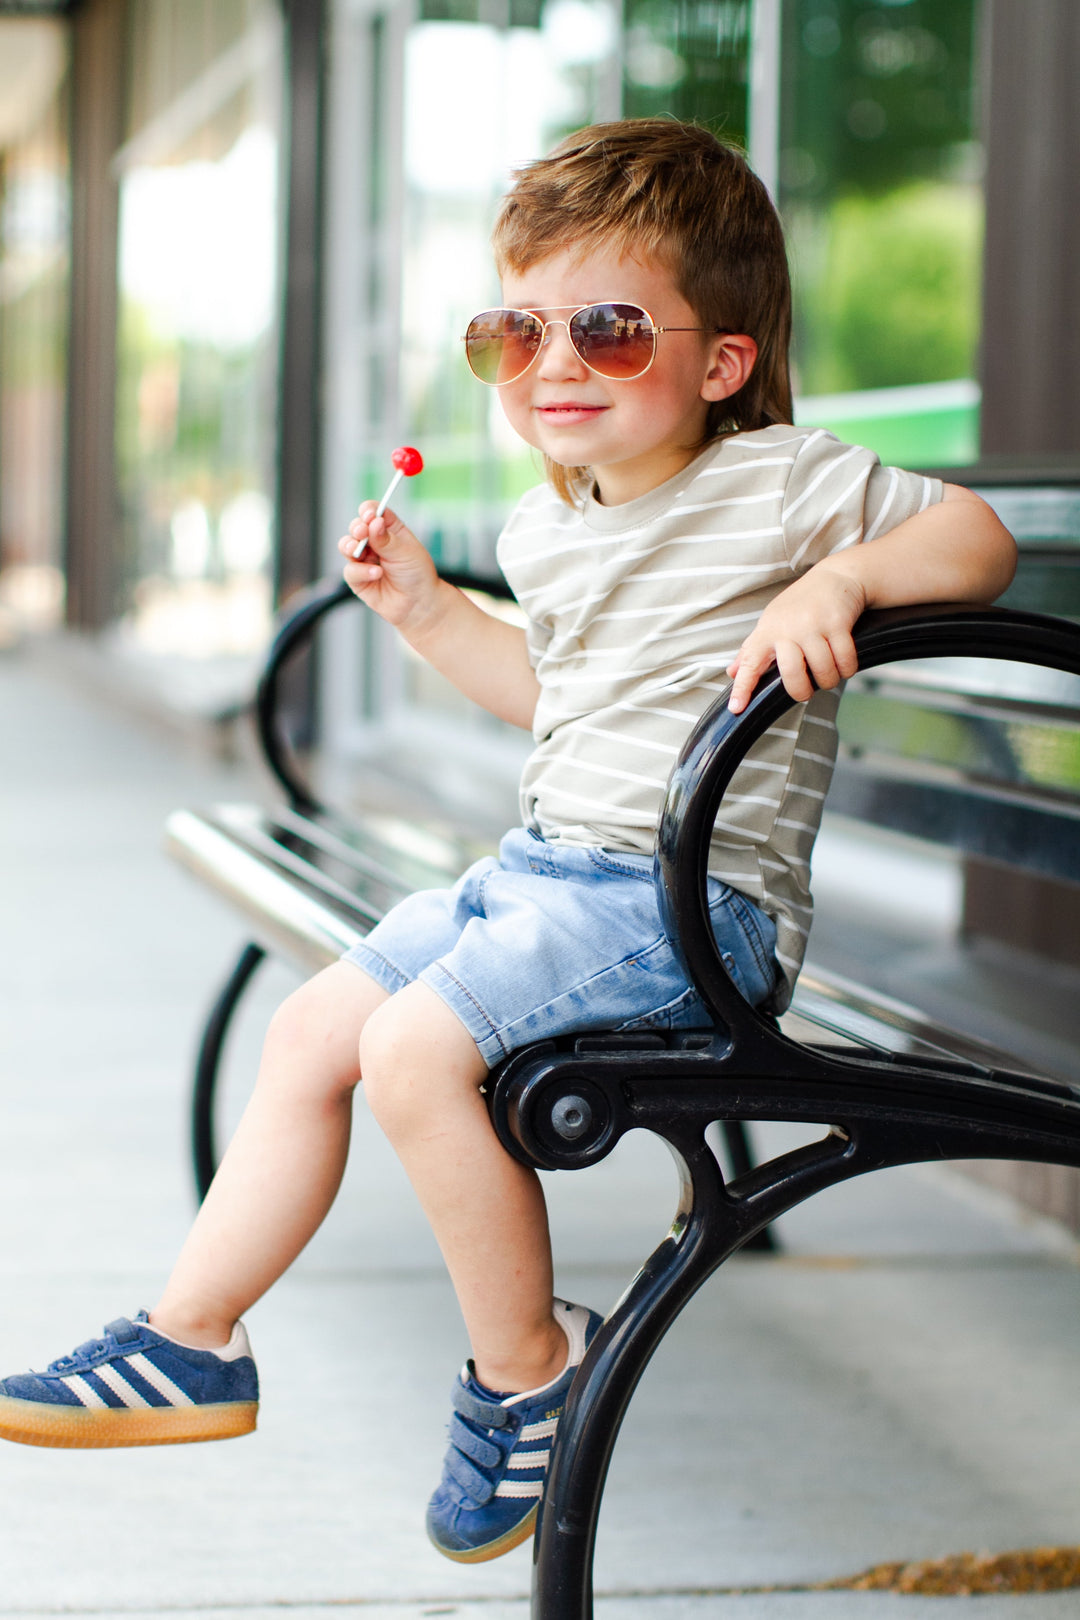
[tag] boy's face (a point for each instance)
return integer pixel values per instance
(633, 435)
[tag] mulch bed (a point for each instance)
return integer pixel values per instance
(1035, 1569)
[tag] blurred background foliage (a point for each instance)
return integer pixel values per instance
(880, 172)
(688, 59)
(887, 287)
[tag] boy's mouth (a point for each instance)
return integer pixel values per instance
(569, 413)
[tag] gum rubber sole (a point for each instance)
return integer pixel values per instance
(37, 1423)
(491, 1549)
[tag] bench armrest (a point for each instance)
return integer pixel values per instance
(296, 625)
(295, 628)
(720, 740)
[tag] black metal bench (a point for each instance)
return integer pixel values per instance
(909, 1090)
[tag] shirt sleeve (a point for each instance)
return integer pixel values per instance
(839, 495)
(537, 638)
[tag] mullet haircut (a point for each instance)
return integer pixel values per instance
(674, 193)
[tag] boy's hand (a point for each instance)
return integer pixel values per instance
(806, 633)
(394, 574)
(484, 656)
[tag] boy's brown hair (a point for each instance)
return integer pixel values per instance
(676, 194)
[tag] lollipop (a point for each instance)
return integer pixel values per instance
(407, 463)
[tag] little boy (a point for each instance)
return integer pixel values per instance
(689, 536)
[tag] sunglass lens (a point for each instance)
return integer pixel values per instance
(617, 340)
(501, 343)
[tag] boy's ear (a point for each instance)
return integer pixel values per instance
(732, 360)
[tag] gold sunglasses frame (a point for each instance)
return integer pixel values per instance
(575, 311)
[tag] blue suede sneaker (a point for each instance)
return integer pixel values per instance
(493, 1475)
(134, 1387)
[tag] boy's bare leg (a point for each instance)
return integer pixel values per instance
(422, 1073)
(284, 1164)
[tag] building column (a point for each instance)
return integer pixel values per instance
(1030, 369)
(97, 121)
(300, 379)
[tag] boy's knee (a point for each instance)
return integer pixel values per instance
(389, 1054)
(315, 1031)
(412, 1052)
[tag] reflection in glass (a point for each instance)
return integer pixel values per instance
(197, 341)
(34, 209)
(479, 100)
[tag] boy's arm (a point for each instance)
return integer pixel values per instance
(484, 657)
(955, 551)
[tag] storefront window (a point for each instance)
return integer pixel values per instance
(198, 278)
(453, 99)
(880, 188)
(34, 264)
(479, 97)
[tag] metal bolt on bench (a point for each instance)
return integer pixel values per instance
(565, 1104)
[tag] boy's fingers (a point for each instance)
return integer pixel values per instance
(847, 659)
(793, 672)
(747, 673)
(359, 575)
(821, 662)
(383, 532)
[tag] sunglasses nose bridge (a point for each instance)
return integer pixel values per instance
(547, 338)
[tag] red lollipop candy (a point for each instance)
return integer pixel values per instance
(407, 462)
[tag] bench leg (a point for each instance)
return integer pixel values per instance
(703, 1235)
(204, 1156)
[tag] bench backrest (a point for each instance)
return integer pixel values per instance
(981, 757)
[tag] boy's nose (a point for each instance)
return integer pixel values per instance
(558, 357)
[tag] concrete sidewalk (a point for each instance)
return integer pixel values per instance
(900, 1385)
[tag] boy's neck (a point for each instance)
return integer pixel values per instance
(620, 482)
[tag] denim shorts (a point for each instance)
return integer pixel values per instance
(550, 938)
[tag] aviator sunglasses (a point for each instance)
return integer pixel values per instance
(617, 341)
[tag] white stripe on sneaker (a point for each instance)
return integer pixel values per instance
(83, 1391)
(159, 1380)
(538, 1431)
(525, 1487)
(120, 1386)
(529, 1459)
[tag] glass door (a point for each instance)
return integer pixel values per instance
(197, 342)
(34, 272)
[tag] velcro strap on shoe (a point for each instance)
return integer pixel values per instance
(123, 1331)
(474, 1445)
(488, 1414)
(476, 1486)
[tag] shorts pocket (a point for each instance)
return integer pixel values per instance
(622, 864)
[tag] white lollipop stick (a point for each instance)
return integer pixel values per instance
(361, 546)
(387, 492)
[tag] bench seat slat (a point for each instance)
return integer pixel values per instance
(286, 916)
(869, 1018)
(402, 855)
(369, 893)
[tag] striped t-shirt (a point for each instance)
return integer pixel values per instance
(634, 612)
